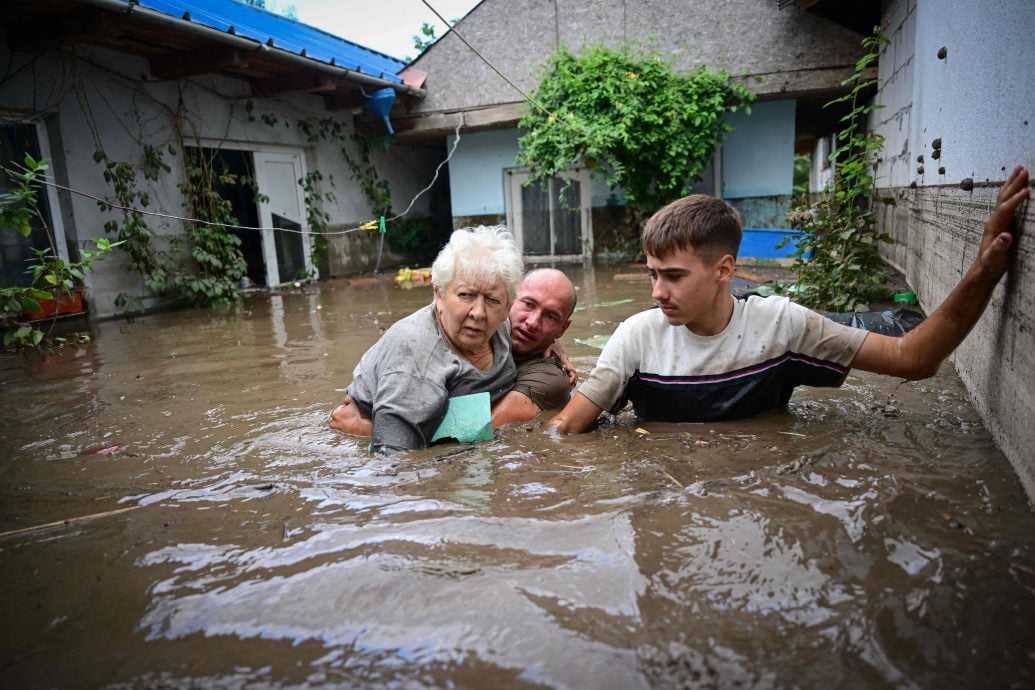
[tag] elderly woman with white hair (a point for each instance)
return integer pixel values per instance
(457, 345)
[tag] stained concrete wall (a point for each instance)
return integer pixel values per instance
(96, 98)
(757, 157)
(758, 163)
(979, 100)
(476, 175)
(789, 51)
(476, 171)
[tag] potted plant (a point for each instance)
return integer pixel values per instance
(53, 289)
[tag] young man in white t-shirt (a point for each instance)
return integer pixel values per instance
(705, 356)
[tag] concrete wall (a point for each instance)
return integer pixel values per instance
(476, 171)
(758, 156)
(790, 51)
(99, 99)
(476, 174)
(758, 163)
(979, 100)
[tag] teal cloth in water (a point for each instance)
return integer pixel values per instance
(597, 341)
(468, 419)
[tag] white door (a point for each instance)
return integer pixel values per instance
(551, 221)
(286, 244)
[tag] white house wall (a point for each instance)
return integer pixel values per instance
(476, 172)
(757, 163)
(96, 98)
(979, 101)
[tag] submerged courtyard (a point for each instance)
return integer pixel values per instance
(176, 513)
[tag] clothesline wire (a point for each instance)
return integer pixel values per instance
(365, 226)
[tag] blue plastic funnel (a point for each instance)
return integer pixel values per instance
(380, 102)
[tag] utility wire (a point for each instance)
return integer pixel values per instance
(503, 76)
(456, 142)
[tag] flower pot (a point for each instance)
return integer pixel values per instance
(61, 304)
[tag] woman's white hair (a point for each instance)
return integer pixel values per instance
(483, 253)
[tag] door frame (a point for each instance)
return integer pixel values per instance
(267, 208)
(515, 178)
(269, 248)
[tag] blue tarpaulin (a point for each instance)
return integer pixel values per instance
(286, 34)
(761, 243)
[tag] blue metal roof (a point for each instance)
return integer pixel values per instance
(287, 34)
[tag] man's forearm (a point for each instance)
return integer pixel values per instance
(949, 324)
(577, 416)
(514, 407)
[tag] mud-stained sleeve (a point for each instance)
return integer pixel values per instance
(617, 363)
(830, 341)
(407, 409)
(544, 382)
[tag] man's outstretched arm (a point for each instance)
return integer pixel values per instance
(577, 416)
(918, 354)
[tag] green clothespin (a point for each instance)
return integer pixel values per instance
(380, 244)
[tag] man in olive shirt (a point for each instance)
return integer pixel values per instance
(540, 315)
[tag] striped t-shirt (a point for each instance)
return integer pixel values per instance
(671, 374)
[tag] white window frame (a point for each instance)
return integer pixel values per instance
(56, 220)
(514, 179)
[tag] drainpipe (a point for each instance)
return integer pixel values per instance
(128, 7)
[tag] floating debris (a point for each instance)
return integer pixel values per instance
(412, 277)
(597, 341)
(100, 450)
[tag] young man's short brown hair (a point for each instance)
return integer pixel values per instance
(709, 226)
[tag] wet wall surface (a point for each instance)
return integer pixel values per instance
(867, 536)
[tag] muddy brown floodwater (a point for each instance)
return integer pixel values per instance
(868, 536)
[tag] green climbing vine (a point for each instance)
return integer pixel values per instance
(216, 250)
(838, 257)
(316, 217)
(374, 187)
(630, 118)
(132, 231)
(418, 238)
(212, 278)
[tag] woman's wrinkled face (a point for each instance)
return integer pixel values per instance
(470, 311)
